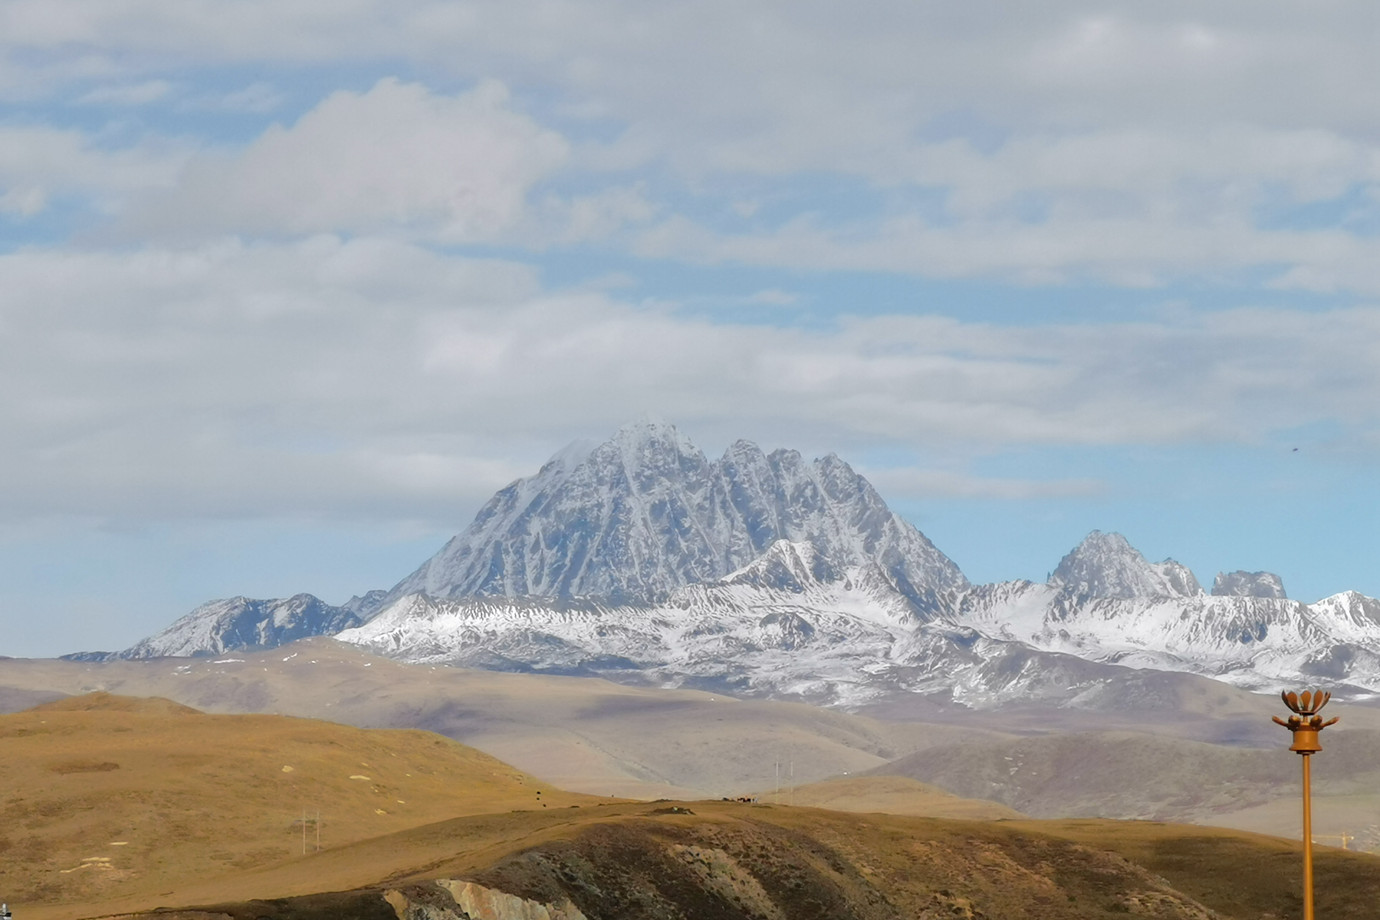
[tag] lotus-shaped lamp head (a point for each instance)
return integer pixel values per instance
(1305, 704)
(1306, 723)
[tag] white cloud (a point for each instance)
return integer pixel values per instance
(40, 164)
(582, 218)
(726, 71)
(1122, 251)
(1126, 143)
(1223, 172)
(23, 201)
(322, 377)
(457, 168)
(922, 484)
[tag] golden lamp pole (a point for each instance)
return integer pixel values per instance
(1305, 725)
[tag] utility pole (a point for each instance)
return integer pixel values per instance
(1305, 725)
(1344, 837)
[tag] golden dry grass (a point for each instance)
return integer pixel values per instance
(594, 736)
(103, 796)
(579, 733)
(113, 805)
(895, 795)
(816, 863)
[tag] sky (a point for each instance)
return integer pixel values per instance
(289, 288)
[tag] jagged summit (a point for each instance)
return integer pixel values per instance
(1106, 565)
(647, 512)
(1248, 584)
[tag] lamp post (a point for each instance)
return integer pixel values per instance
(1305, 725)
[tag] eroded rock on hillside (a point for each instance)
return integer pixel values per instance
(735, 862)
(767, 872)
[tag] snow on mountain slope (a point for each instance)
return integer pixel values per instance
(646, 513)
(240, 623)
(771, 627)
(1105, 565)
(792, 623)
(1248, 584)
(775, 627)
(1253, 642)
(642, 560)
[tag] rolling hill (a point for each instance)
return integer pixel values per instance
(105, 796)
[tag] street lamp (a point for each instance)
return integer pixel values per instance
(1305, 725)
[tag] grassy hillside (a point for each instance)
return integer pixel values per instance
(597, 737)
(582, 734)
(1135, 775)
(895, 795)
(117, 806)
(723, 861)
(102, 795)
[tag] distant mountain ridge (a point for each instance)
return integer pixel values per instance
(235, 623)
(641, 560)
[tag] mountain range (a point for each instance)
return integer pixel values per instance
(643, 561)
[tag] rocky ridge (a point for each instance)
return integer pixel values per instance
(642, 560)
(236, 623)
(646, 513)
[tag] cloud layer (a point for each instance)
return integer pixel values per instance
(350, 377)
(456, 169)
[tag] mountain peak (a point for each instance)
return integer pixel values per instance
(1248, 584)
(650, 429)
(646, 512)
(1107, 565)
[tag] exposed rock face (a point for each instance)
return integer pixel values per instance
(241, 623)
(1248, 584)
(646, 513)
(756, 871)
(1105, 565)
(1257, 643)
(471, 901)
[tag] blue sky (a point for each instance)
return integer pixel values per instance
(289, 288)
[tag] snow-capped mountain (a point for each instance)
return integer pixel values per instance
(1106, 603)
(792, 624)
(241, 623)
(641, 560)
(1105, 565)
(789, 624)
(646, 513)
(1248, 584)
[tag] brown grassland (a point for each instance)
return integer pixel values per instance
(1173, 747)
(102, 795)
(111, 805)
